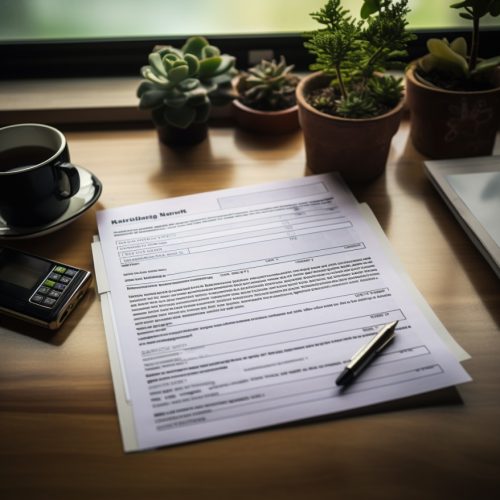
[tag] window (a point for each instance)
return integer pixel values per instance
(66, 37)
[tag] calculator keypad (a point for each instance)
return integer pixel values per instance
(53, 286)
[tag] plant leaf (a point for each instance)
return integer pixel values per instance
(179, 62)
(459, 45)
(223, 95)
(179, 117)
(178, 73)
(193, 64)
(227, 62)
(194, 45)
(152, 99)
(175, 100)
(440, 49)
(197, 97)
(145, 86)
(369, 7)
(458, 5)
(486, 65)
(495, 8)
(427, 63)
(168, 49)
(209, 66)
(148, 73)
(155, 61)
(209, 86)
(223, 79)
(189, 84)
(210, 51)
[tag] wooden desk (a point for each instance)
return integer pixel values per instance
(59, 434)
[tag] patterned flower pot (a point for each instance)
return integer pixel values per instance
(451, 124)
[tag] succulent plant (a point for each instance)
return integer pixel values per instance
(268, 86)
(216, 70)
(180, 84)
(451, 63)
(356, 53)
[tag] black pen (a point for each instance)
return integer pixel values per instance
(363, 357)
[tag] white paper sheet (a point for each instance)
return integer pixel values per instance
(237, 309)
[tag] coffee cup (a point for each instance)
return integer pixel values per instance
(37, 179)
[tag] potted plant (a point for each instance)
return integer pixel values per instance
(349, 110)
(453, 96)
(180, 85)
(266, 101)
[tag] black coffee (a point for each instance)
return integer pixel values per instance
(24, 156)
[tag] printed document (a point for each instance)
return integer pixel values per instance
(237, 309)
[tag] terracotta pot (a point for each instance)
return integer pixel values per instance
(450, 124)
(357, 148)
(178, 138)
(266, 122)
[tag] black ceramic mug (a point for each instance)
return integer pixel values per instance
(36, 178)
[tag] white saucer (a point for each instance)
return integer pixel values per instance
(90, 190)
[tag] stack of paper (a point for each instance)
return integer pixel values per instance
(237, 309)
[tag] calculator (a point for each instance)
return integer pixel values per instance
(39, 290)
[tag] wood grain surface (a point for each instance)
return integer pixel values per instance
(59, 432)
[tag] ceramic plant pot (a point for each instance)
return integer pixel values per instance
(450, 124)
(175, 137)
(357, 148)
(266, 122)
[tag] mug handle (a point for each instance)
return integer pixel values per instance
(72, 186)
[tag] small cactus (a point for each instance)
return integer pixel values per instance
(451, 64)
(179, 84)
(450, 60)
(268, 86)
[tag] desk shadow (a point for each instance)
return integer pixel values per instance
(442, 397)
(53, 337)
(448, 396)
(177, 158)
(181, 157)
(479, 272)
(65, 243)
(187, 165)
(410, 173)
(252, 144)
(412, 178)
(374, 194)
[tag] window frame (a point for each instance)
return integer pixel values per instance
(125, 56)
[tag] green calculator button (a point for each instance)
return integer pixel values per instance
(49, 283)
(60, 269)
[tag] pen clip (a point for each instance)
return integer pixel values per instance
(388, 329)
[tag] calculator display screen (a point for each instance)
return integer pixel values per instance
(21, 270)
